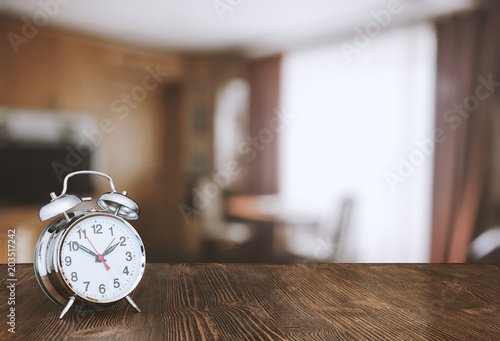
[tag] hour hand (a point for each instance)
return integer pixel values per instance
(111, 248)
(87, 250)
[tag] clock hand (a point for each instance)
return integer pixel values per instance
(99, 256)
(86, 250)
(105, 251)
(89, 251)
(110, 249)
(88, 239)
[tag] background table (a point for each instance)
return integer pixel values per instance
(266, 214)
(278, 302)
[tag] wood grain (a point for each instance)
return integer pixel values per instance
(277, 302)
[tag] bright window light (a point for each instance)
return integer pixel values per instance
(355, 126)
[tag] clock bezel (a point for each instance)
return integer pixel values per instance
(59, 265)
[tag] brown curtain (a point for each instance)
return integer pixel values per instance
(264, 81)
(467, 63)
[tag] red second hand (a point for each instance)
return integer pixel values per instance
(99, 256)
(88, 239)
(109, 246)
(103, 262)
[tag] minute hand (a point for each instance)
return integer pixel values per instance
(111, 248)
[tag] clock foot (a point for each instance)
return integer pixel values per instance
(132, 303)
(66, 308)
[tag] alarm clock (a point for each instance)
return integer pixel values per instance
(88, 259)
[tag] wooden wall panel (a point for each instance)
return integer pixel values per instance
(67, 72)
(147, 152)
(264, 79)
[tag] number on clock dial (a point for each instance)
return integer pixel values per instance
(97, 229)
(86, 272)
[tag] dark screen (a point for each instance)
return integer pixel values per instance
(29, 173)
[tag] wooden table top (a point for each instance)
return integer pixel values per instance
(276, 302)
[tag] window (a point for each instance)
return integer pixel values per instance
(360, 130)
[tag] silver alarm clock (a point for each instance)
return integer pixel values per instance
(88, 259)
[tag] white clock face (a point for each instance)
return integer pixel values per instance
(102, 258)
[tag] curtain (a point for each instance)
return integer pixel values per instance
(467, 81)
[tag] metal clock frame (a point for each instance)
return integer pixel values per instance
(47, 256)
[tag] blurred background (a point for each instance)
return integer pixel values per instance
(260, 131)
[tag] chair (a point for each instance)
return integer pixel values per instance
(316, 243)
